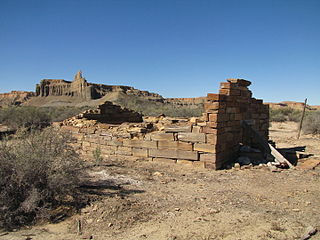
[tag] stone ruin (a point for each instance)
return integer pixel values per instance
(209, 141)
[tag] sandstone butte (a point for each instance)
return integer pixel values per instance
(50, 91)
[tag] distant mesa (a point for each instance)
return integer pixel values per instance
(79, 87)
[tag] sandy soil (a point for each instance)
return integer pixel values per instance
(147, 200)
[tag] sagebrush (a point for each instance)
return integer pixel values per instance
(150, 108)
(311, 123)
(35, 117)
(38, 172)
(285, 114)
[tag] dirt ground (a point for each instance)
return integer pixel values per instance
(148, 200)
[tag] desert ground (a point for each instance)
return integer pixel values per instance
(148, 200)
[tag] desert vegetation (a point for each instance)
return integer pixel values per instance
(34, 117)
(312, 123)
(150, 108)
(285, 114)
(38, 173)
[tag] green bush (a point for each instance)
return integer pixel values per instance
(38, 173)
(285, 114)
(311, 123)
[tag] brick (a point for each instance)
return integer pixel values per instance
(210, 130)
(176, 129)
(164, 160)
(213, 117)
(196, 129)
(175, 154)
(211, 106)
(192, 137)
(227, 85)
(208, 157)
(211, 139)
(124, 151)
(230, 92)
(140, 152)
(216, 97)
(139, 143)
(239, 82)
(162, 136)
(203, 147)
(113, 143)
(176, 145)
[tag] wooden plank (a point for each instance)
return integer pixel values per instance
(267, 147)
(281, 159)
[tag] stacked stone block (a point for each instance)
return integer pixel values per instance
(225, 113)
(209, 142)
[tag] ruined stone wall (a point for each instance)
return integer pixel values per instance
(209, 141)
(225, 112)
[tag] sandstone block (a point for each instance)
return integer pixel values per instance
(139, 143)
(113, 143)
(127, 151)
(208, 157)
(192, 137)
(162, 136)
(176, 145)
(164, 160)
(176, 129)
(211, 139)
(140, 152)
(174, 154)
(239, 82)
(196, 129)
(203, 147)
(216, 97)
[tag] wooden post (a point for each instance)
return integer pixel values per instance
(301, 121)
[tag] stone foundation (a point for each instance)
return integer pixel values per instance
(209, 141)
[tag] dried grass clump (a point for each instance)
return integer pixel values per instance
(38, 173)
(311, 124)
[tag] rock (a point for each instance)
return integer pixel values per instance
(237, 166)
(309, 232)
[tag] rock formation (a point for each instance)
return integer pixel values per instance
(15, 97)
(79, 87)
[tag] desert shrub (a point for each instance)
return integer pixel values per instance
(97, 155)
(285, 114)
(36, 117)
(150, 108)
(23, 117)
(38, 173)
(311, 123)
(57, 114)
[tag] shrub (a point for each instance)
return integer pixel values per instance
(38, 172)
(311, 123)
(150, 108)
(36, 117)
(285, 114)
(23, 117)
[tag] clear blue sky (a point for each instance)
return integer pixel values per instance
(178, 48)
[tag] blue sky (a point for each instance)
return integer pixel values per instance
(177, 48)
